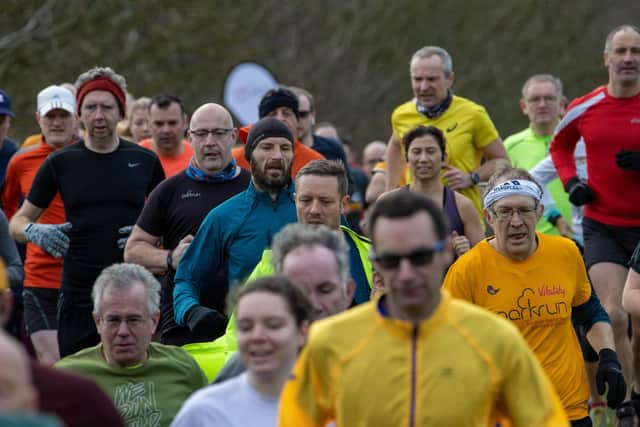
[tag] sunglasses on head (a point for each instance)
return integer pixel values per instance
(417, 258)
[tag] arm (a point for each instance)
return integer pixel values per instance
(562, 148)
(9, 254)
(142, 248)
(494, 155)
(11, 191)
(395, 163)
(473, 230)
(27, 214)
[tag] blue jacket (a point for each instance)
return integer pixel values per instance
(233, 235)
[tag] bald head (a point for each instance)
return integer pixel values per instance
(374, 152)
(17, 393)
(210, 111)
(212, 136)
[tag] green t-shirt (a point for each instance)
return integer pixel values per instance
(149, 394)
(526, 150)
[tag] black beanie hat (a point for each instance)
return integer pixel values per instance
(268, 127)
(278, 97)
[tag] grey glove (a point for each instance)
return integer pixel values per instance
(125, 232)
(51, 238)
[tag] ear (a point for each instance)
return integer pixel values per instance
(563, 105)
(523, 107)
(488, 217)
(344, 204)
(605, 59)
(98, 321)
(155, 319)
(451, 78)
(351, 290)
(303, 330)
(539, 211)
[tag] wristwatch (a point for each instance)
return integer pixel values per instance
(475, 178)
(170, 268)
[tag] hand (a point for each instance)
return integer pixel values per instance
(609, 373)
(628, 159)
(125, 232)
(206, 322)
(564, 228)
(51, 238)
(457, 179)
(461, 244)
(579, 192)
(179, 250)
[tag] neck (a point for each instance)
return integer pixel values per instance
(106, 145)
(270, 387)
(620, 91)
(544, 129)
(273, 192)
(432, 188)
(307, 139)
(417, 315)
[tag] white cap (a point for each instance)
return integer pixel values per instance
(56, 97)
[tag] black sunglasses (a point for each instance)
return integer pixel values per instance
(419, 257)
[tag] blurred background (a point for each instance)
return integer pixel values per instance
(351, 54)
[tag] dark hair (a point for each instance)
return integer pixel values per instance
(164, 101)
(333, 168)
(295, 299)
(403, 204)
(420, 131)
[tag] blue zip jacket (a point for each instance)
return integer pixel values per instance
(232, 236)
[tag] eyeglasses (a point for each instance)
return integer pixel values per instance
(304, 114)
(217, 133)
(507, 213)
(114, 322)
(419, 257)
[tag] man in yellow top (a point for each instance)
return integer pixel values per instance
(427, 349)
(471, 135)
(540, 283)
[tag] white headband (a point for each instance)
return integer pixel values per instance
(513, 187)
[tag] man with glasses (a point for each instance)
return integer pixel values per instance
(148, 382)
(540, 283)
(438, 361)
(543, 103)
(177, 207)
(103, 182)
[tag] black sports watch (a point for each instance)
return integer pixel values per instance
(475, 178)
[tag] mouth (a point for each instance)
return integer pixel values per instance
(258, 357)
(518, 237)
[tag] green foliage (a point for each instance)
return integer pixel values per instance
(351, 54)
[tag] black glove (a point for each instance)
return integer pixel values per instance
(206, 322)
(609, 372)
(628, 159)
(579, 192)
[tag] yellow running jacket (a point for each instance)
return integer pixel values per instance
(463, 366)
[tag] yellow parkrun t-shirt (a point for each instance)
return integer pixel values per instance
(467, 128)
(536, 294)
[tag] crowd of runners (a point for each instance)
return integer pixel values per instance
(167, 268)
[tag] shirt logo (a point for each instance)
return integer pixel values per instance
(452, 127)
(492, 291)
(133, 165)
(189, 195)
(635, 121)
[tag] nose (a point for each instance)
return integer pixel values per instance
(276, 153)
(123, 329)
(405, 270)
(315, 206)
(516, 218)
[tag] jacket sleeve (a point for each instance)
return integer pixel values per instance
(199, 264)
(306, 400)
(563, 144)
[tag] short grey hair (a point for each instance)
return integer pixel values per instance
(101, 72)
(122, 277)
(616, 30)
(428, 51)
(296, 235)
(557, 83)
